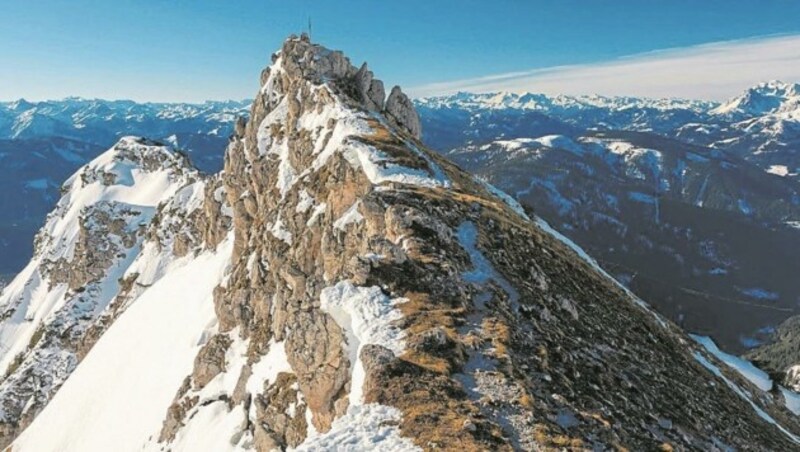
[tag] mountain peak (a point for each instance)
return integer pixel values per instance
(131, 158)
(300, 59)
(776, 87)
(764, 98)
(20, 105)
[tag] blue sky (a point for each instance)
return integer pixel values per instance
(203, 49)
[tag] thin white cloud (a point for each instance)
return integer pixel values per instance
(713, 71)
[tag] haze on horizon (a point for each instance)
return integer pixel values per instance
(192, 51)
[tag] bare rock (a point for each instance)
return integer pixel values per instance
(176, 413)
(400, 110)
(263, 440)
(210, 360)
(281, 408)
(370, 90)
(315, 352)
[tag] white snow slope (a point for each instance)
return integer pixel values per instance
(90, 243)
(117, 397)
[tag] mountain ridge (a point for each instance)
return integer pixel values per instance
(342, 285)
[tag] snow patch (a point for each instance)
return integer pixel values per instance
(741, 393)
(483, 270)
(778, 170)
(749, 371)
(280, 232)
(350, 216)
(755, 375)
(362, 428)
(367, 316)
(268, 367)
(304, 202)
(745, 207)
(560, 142)
(759, 293)
(641, 197)
(318, 210)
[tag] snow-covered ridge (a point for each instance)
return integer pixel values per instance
(176, 311)
(75, 115)
(89, 251)
(135, 172)
(545, 103)
(762, 99)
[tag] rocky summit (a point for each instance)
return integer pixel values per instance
(338, 286)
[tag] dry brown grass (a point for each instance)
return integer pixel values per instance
(428, 362)
(379, 132)
(435, 408)
(548, 441)
(423, 316)
(526, 401)
(385, 141)
(541, 352)
(500, 334)
(434, 315)
(451, 436)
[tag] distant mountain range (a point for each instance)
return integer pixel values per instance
(762, 125)
(42, 143)
(694, 204)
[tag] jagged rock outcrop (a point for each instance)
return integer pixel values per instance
(369, 294)
(369, 89)
(400, 109)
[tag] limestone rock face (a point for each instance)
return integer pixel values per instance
(400, 109)
(373, 273)
(370, 90)
(104, 234)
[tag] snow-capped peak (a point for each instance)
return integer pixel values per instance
(765, 98)
(88, 246)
